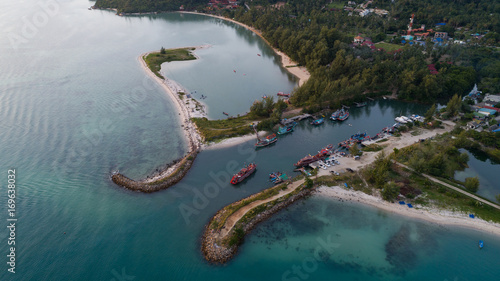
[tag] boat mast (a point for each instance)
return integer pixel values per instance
(256, 133)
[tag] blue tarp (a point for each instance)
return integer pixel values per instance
(497, 130)
(441, 23)
(410, 205)
(346, 185)
(471, 216)
(402, 202)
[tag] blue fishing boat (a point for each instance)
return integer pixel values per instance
(318, 121)
(344, 116)
(481, 244)
(287, 129)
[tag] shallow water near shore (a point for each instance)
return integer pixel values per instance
(76, 105)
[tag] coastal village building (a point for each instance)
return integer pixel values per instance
(494, 99)
(358, 39)
(441, 35)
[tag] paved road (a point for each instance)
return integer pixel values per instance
(452, 187)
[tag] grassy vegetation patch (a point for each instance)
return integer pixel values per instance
(388, 47)
(213, 130)
(231, 209)
(154, 60)
(373, 147)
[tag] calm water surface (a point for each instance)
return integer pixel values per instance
(486, 169)
(75, 105)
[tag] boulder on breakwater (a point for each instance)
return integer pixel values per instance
(215, 248)
(178, 171)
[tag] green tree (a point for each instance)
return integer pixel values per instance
(354, 150)
(309, 183)
(472, 184)
(390, 191)
(453, 105)
(163, 51)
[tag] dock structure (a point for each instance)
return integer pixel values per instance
(367, 143)
(297, 118)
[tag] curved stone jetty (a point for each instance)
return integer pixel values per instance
(220, 242)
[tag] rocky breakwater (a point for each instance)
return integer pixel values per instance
(166, 179)
(220, 245)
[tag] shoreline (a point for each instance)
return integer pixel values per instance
(176, 170)
(225, 143)
(292, 67)
(214, 249)
(428, 214)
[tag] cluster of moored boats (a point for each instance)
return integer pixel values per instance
(277, 177)
(322, 154)
(340, 115)
(323, 157)
(356, 138)
(413, 118)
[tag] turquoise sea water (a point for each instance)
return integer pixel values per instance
(75, 105)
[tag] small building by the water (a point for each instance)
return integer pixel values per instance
(487, 111)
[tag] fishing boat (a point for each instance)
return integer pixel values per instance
(264, 97)
(287, 129)
(344, 116)
(277, 177)
(481, 244)
(243, 173)
(225, 113)
(311, 159)
(281, 94)
(318, 121)
(336, 114)
(402, 119)
(360, 104)
(416, 118)
(267, 141)
(258, 55)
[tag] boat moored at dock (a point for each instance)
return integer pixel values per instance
(318, 121)
(267, 141)
(287, 129)
(311, 159)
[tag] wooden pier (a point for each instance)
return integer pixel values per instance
(297, 118)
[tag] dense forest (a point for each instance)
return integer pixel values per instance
(319, 34)
(321, 38)
(143, 6)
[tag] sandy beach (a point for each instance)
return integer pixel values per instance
(187, 108)
(444, 217)
(298, 71)
(434, 215)
(231, 141)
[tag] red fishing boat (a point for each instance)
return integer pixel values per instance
(311, 159)
(244, 173)
(281, 94)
